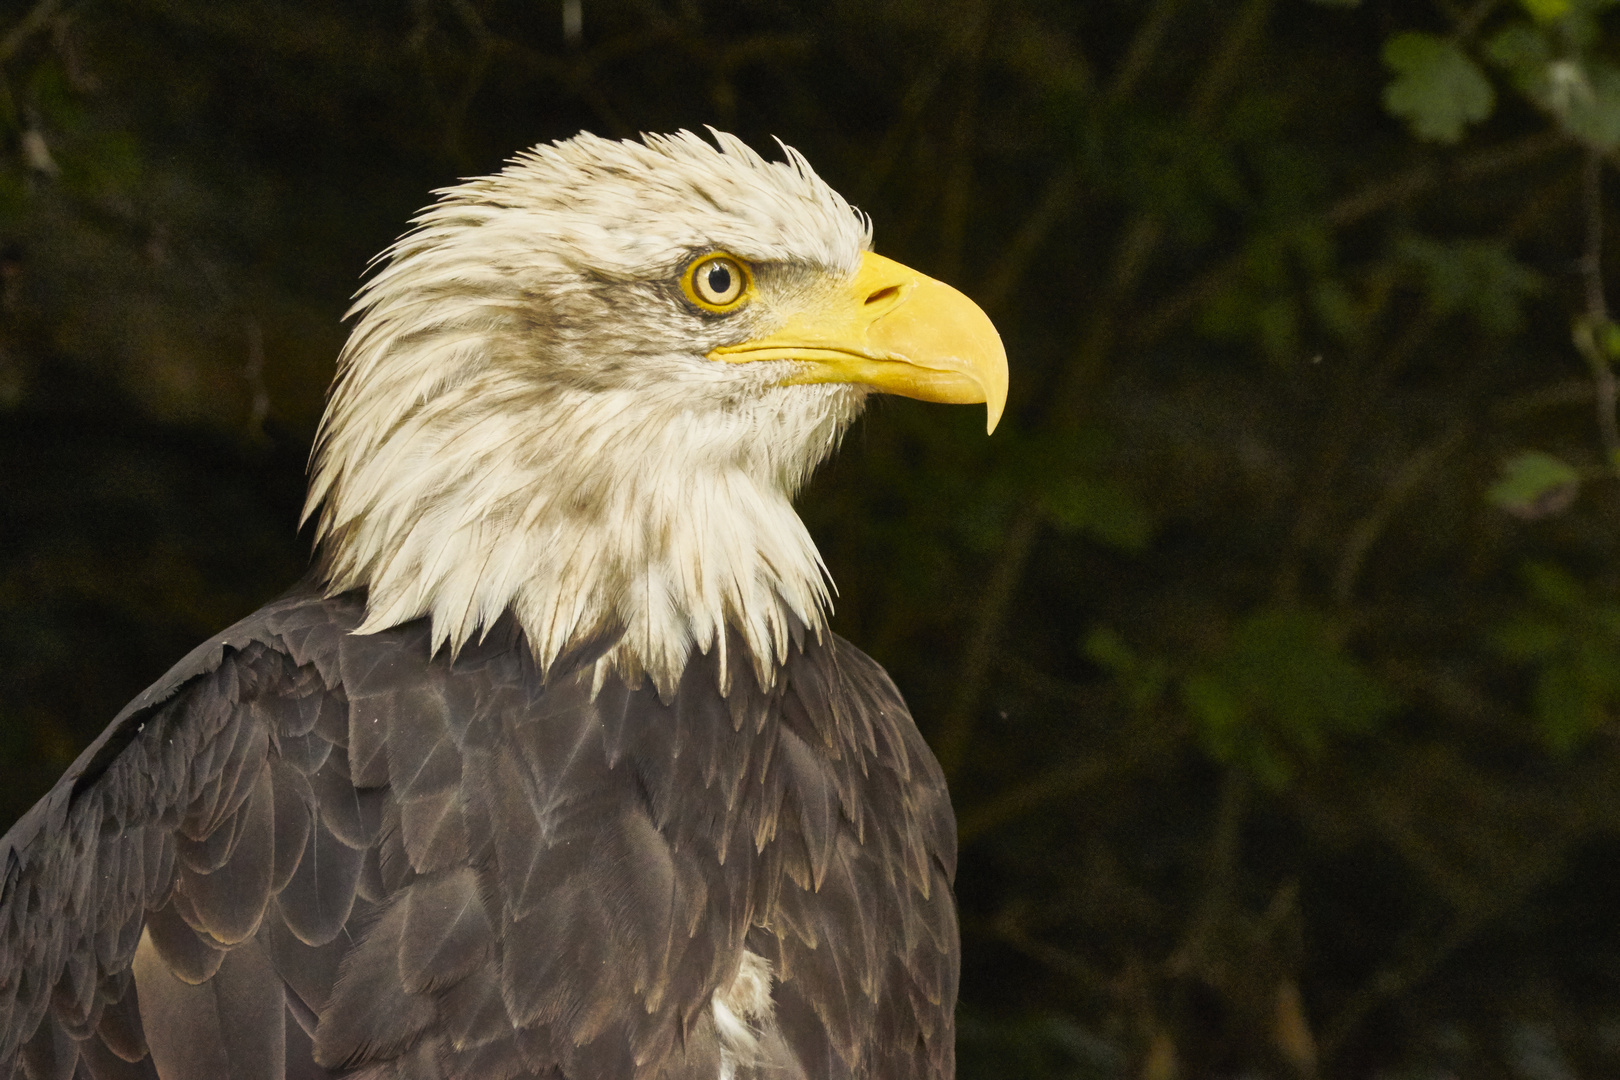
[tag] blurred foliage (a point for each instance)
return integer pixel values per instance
(1438, 89)
(1280, 687)
(1535, 484)
(1573, 641)
(1273, 642)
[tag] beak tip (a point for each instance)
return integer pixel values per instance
(995, 391)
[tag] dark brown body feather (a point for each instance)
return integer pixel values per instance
(319, 854)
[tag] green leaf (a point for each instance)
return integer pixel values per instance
(1102, 509)
(1529, 639)
(1219, 713)
(1523, 52)
(1282, 687)
(1535, 485)
(1278, 323)
(1555, 587)
(1287, 662)
(1573, 639)
(1584, 94)
(1336, 309)
(1569, 705)
(1587, 98)
(1142, 681)
(1105, 648)
(1546, 10)
(1609, 339)
(1437, 90)
(1479, 277)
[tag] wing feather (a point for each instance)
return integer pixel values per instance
(434, 831)
(232, 1025)
(371, 1014)
(319, 896)
(294, 818)
(352, 814)
(447, 931)
(51, 1054)
(103, 1063)
(309, 971)
(192, 957)
(120, 1029)
(229, 899)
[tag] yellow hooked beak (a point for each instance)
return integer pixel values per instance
(896, 331)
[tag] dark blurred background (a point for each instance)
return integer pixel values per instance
(1272, 644)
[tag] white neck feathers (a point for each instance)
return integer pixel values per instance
(516, 428)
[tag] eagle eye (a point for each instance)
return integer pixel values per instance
(717, 283)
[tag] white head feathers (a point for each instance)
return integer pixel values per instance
(524, 417)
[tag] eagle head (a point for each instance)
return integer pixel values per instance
(586, 389)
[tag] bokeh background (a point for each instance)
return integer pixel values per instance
(1272, 645)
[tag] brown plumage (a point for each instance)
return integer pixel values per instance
(374, 859)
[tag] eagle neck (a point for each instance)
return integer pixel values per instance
(659, 531)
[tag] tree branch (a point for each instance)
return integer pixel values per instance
(1142, 49)
(1467, 23)
(1592, 333)
(957, 730)
(1223, 67)
(1220, 869)
(958, 191)
(1392, 980)
(1408, 479)
(1067, 780)
(26, 27)
(1016, 255)
(1341, 428)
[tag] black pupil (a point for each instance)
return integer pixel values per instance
(719, 279)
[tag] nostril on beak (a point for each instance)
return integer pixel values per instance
(886, 293)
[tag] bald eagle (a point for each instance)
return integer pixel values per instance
(552, 767)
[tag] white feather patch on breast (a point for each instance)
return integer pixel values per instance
(743, 1014)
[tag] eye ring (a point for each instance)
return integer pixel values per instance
(718, 282)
